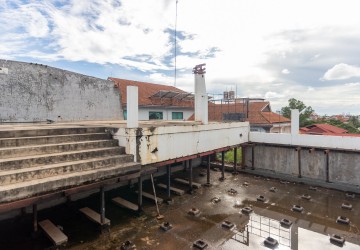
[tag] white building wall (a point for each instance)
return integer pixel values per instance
(322, 141)
(167, 113)
(161, 143)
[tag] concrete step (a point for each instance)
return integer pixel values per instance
(186, 182)
(48, 130)
(25, 189)
(52, 139)
(38, 160)
(53, 232)
(94, 216)
(40, 172)
(125, 203)
(175, 190)
(54, 148)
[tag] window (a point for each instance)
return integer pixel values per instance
(177, 115)
(125, 115)
(155, 115)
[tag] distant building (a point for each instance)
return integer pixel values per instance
(325, 129)
(322, 129)
(256, 111)
(156, 101)
(163, 102)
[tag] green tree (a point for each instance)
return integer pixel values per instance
(349, 127)
(354, 121)
(306, 111)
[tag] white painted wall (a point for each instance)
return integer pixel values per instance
(133, 107)
(322, 141)
(161, 143)
(167, 113)
(201, 99)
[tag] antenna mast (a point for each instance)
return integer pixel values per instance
(175, 43)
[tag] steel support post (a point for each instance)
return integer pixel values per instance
(243, 157)
(299, 161)
(35, 219)
(252, 157)
(168, 171)
(140, 193)
(102, 205)
(235, 161)
(222, 178)
(190, 175)
(208, 184)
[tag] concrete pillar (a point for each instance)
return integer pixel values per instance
(295, 121)
(132, 107)
(201, 98)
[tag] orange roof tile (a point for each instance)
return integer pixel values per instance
(146, 90)
(256, 115)
(324, 128)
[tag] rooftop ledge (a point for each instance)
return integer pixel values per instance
(154, 142)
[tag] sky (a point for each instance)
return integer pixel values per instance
(277, 50)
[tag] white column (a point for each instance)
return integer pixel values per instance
(132, 107)
(295, 122)
(201, 99)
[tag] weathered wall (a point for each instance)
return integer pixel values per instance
(277, 159)
(33, 92)
(167, 113)
(160, 143)
(343, 166)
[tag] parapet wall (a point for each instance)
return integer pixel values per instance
(160, 143)
(33, 92)
(278, 154)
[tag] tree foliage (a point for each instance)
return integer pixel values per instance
(354, 121)
(348, 126)
(305, 111)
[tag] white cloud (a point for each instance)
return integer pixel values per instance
(271, 95)
(135, 35)
(352, 84)
(341, 71)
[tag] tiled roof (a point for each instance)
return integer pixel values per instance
(256, 112)
(146, 90)
(323, 129)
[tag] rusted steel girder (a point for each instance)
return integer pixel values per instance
(5, 207)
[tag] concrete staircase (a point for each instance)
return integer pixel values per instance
(38, 161)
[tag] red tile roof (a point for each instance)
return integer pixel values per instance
(258, 112)
(323, 129)
(146, 90)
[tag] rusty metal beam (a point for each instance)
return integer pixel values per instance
(5, 207)
(28, 202)
(101, 183)
(190, 157)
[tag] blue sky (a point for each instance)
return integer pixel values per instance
(276, 49)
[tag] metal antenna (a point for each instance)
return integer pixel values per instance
(175, 43)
